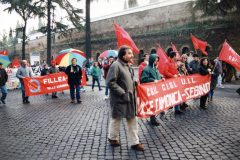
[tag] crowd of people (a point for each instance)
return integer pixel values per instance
(118, 75)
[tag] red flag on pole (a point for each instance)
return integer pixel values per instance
(123, 38)
(175, 50)
(4, 53)
(230, 56)
(16, 63)
(199, 44)
(162, 58)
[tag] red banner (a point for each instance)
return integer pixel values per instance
(154, 98)
(48, 84)
(230, 56)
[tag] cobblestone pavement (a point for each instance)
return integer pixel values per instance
(56, 129)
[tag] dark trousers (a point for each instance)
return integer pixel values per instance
(153, 118)
(72, 89)
(23, 91)
(93, 83)
(203, 100)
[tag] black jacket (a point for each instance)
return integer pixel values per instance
(62, 69)
(87, 64)
(3, 77)
(44, 72)
(214, 78)
(203, 70)
(75, 76)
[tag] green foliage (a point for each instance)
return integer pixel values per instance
(216, 7)
(19, 28)
(73, 15)
(3, 41)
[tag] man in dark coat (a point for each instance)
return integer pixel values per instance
(3, 80)
(194, 65)
(123, 98)
(61, 69)
(44, 71)
(151, 74)
(74, 73)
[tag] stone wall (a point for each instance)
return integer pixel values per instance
(149, 28)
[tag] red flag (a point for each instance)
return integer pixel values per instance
(230, 56)
(123, 38)
(199, 44)
(16, 63)
(175, 50)
(4, 53)
(162, 58)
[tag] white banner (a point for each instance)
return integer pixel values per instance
(13, 81)
(36, 71)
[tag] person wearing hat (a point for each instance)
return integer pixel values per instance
(53, 69)
(123, 98)
(3, 80)
(24, 71)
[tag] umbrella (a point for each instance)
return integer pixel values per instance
(5, 60)
(109, 53)
(65, 57)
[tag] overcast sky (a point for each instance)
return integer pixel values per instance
(100, 8)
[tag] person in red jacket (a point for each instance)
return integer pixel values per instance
(106, 67)
(144, 63)
(141, 67)
(170, 71)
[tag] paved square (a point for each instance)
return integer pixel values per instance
(56, 129)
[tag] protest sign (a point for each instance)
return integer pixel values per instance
(154, 98)
(48, 84)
